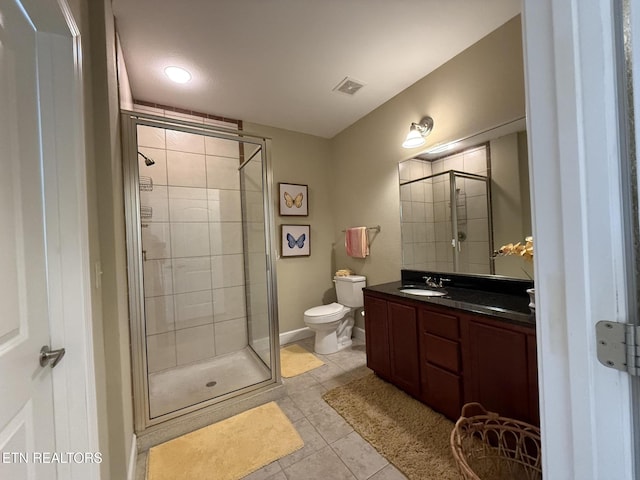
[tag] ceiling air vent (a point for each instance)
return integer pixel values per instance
(348, 86)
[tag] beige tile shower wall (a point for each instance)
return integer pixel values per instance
(193, 248)
(416, 204)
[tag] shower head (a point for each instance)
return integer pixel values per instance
(147, 161)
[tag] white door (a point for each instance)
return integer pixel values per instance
(26, 388)
(575, 151)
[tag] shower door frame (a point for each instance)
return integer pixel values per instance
(455, 240)
(139, 370)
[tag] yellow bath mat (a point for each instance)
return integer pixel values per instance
(295, 360)
(227, 450)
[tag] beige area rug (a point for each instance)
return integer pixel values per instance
(227, 450)
(406, 432)
(295, 360)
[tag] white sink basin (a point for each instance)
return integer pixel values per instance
(424, 293)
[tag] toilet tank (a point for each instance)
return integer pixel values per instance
(349, 290)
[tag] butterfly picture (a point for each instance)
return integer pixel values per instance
(295, 240)
(290, 201)
(293, 199)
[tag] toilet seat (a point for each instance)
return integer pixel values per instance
(325, 313)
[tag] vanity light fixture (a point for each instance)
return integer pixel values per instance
(418, 132)
(177, 74)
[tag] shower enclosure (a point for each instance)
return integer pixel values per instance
(446, 216)
(201, 283)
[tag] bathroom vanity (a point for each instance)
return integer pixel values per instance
(475, 344)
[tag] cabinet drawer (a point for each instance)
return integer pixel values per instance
(443, 391)
(442, 352)
(440, 324)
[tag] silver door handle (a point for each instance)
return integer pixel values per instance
(47, 355)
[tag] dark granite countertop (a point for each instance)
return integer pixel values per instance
(511, 307)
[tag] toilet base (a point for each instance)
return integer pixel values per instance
(347, 342)
(327, 342)
(332, 336)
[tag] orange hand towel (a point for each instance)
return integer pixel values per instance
(356, 241)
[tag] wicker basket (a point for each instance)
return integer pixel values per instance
(487, 446)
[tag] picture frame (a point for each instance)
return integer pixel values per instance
(293, 199)
(295, 240)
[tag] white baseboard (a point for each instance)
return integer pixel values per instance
(302, 333)
(133, 456)
(359, 333)
(295, 335)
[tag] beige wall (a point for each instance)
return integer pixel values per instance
(303, 282)
(525, 190)
(510, 201)
(124, 87)
(107, 241)
(80, 12)
(481, 88)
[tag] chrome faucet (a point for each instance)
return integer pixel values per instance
(431, 281)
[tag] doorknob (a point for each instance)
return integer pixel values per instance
(47, 355)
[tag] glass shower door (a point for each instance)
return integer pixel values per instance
(472, 232)
(443, 223)
(252, 186)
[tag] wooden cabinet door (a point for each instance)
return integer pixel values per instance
(403, 341)
(497, 369)
(442, 391)
(377, 335)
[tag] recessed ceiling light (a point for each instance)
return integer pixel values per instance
(177, 74)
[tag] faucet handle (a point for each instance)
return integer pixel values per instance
(430, 281)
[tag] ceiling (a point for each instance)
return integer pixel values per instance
(276, 62)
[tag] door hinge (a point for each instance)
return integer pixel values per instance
(619, 346)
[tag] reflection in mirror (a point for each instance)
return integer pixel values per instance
(445, 213)
(488, 187)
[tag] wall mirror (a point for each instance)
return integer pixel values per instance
(461, 201)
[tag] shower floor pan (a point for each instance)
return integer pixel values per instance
(187, 385)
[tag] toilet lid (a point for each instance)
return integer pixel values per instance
(323, 310)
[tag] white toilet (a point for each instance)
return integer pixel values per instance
(333, 323)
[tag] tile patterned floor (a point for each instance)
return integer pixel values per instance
(332, 449)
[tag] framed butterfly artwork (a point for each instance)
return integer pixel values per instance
(293, 199)
(296, 241)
